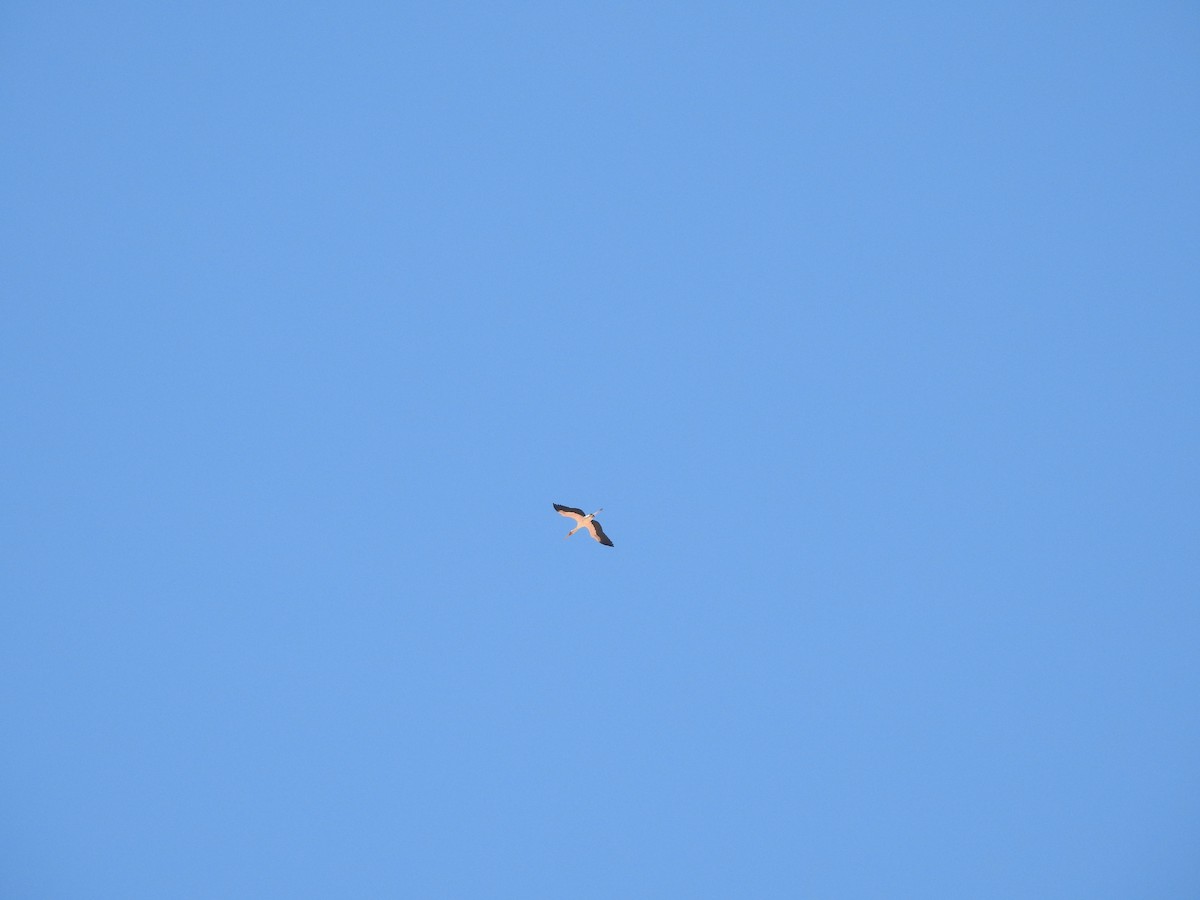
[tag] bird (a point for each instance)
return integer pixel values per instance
(582, 521)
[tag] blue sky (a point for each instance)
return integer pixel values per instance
(873, 328)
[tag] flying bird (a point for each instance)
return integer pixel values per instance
(582, 521)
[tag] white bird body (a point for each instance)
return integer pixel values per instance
(584, 522)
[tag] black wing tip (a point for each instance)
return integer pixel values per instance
(600, 535)
(560, 508)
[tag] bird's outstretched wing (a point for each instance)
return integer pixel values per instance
(598, 533)
(570, 512)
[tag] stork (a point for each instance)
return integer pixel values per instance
(582, 521)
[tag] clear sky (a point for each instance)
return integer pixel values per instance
(873, 327)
